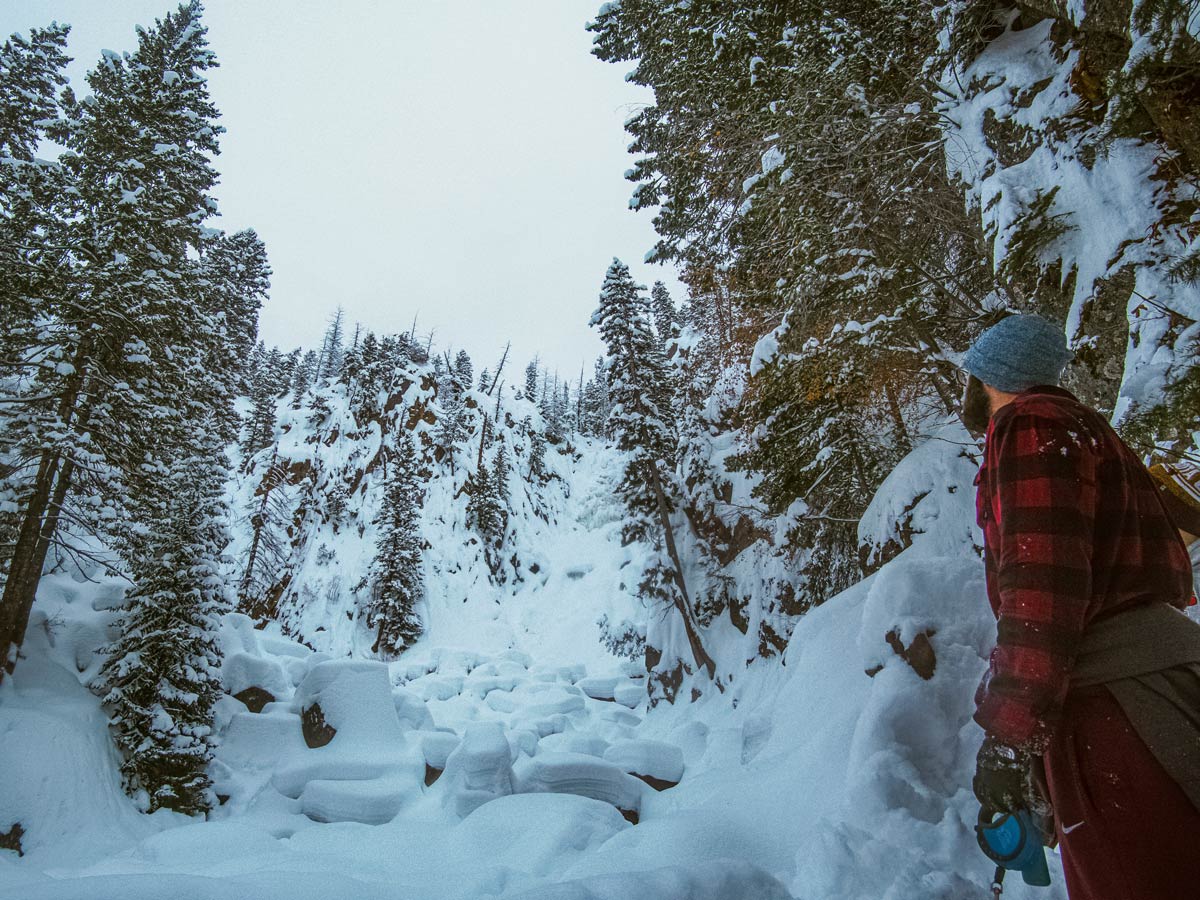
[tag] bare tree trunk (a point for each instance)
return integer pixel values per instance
(902, 436)
(682, 602)
(258, 522)
(50, 487)
(499, 369)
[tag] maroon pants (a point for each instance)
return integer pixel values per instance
(1126, 830)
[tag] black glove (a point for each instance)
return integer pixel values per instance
(1002, 777)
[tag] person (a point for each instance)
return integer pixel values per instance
(1095, 675)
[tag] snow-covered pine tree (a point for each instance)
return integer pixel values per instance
(642, 422)
(259, 429)
(482, 508)
(329, 360)
(302, 377)
(127, 363)
(237, 278)
(451, 426)
(537, 451)
(32, 276)
(596, 402)
(161, 677)
(269, 513)
(397, 580)
(499, 485)
(485, 380)
(666, 318)
(463, 370)
(531, 380)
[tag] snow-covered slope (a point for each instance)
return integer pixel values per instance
(804, 778)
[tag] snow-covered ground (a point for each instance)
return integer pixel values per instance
(805, 778)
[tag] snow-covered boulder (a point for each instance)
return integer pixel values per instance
(243, 672)
(370, 802)
(629, 692)
(575, 773)
(355, 702)
(927, 501)
(573, 742)
(653, 761)
(479, 769)
(411, 710)
(914, 599)
(538, 832)
(599, 688)
(436, 746)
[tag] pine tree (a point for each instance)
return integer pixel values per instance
(138, 335)
(463, 371)
(499, 486)
(302, 377)
(537, 451)
(485, 381)
(531, 380)
(398, 582)
(269, 513)
(642, 421)
(666, 318)
(161, 677)
(32, 276)
(596, 402)
(482, 508)
(329, 360)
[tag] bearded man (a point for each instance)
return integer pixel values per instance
(1096, 673)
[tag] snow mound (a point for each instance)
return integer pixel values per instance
(576, 773)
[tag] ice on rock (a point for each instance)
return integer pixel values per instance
(939, 596)
(725, 879)
(653, 759)
(484, 685)
(576, 773)
(541, 726)
(501, 702)
(479, 769)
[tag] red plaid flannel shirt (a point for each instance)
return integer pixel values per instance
(1074, 530)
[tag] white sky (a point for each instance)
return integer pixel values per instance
(457, 159)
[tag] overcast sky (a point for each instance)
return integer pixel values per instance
(459, 160)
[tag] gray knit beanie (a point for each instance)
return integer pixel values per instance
(1017, 353)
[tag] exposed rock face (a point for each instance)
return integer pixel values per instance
(919, 654)
(1168, 99)
(11, 839)
(317, 732)
(255, 698)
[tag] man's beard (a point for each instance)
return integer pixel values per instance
(976, 407)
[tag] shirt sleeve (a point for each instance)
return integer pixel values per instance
(1044, 486)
